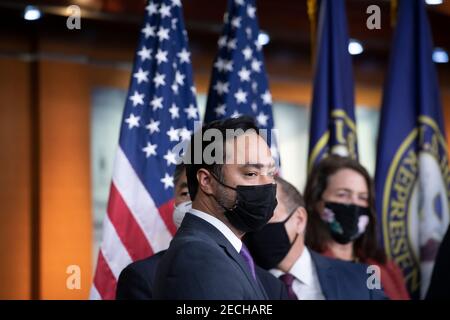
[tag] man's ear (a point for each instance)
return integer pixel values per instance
(205, 181)
(301, 220)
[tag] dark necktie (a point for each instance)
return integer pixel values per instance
(248, 259)
(288, 279)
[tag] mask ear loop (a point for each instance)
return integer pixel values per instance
(290, 215)
(220, 182)
(286, 220)
(227, 186)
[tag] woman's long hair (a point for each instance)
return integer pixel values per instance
(317, 233)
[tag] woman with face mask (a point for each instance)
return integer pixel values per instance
(339, 198)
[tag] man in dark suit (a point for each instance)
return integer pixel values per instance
(232, 190)
(137, 280)
(279, 247)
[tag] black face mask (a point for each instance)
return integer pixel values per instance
(253, 208)
(270, 245)
(346, 222)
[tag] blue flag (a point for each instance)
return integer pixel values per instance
(333, 126)
(239, 84)
(412, 176)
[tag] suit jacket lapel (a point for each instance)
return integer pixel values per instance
(257, 287)
(191, 221)
(327, 278)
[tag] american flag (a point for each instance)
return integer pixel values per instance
(239, 84)
(160, 111)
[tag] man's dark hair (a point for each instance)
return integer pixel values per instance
(179, 170)
(244, 123)
(291, 196)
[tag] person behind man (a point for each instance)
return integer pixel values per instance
(182, 198)
(340, 200)
(136, 281)
(280, 247)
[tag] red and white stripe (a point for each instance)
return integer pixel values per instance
(133, 228)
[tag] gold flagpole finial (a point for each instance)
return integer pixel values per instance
(312, 14)
(394, 5)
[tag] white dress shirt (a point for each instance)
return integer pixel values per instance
(219, 225)
(306, 283)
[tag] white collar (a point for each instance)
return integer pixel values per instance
(219, 225)
(303, 268)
